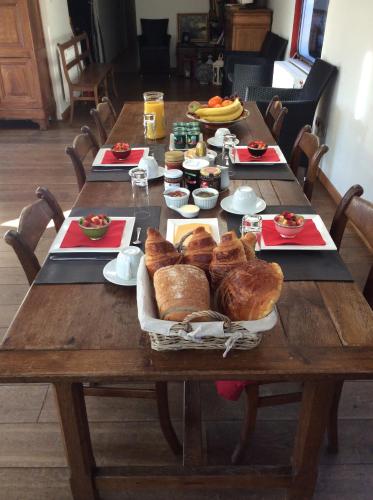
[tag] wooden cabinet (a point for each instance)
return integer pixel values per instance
(25, 89)
(245, 29)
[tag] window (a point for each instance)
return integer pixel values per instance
(312, 28)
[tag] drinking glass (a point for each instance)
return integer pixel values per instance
(140, 192)
(253, 224)
(229, 151)
(149, 125)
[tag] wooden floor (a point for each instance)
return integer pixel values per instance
(32, 463)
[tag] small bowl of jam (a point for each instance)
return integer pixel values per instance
(176, 198)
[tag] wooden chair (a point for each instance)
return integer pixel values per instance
(105, 117)
(274, 117)
(34, 220)
(89, 76)
(360, 213)
(83, 144)
(307, 145)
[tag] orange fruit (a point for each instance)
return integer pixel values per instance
(226, 102)
(215, 100)
(217, 106)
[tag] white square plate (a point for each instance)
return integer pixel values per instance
(173, 223)
(282, 158)
(100, 155)
(126, 238)
(329, 243)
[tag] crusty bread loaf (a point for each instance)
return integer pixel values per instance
(180, 290)
(199, 249)
(228, 254)
(159, 252)
(251, 290)
(249, 241)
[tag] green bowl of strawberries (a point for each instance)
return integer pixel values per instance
(94, 226)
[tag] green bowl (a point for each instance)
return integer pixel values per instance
(94, 233)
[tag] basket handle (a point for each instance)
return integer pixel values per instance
(210, 314)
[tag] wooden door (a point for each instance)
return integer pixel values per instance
(18, 71)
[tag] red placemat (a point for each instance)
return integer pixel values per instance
(310, 236)
(269, 156)
(133, 158)
(74, 236)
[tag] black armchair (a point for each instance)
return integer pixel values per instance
(154, 46)
(273, 49)
(245, 75)
(301, 103)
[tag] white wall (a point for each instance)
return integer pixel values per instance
(157, 9)
(283, 17)
(57, 29)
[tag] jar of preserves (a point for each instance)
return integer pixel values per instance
(210, 177)
(173, 179)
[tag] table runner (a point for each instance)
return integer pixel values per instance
(105, 174)
(300, 265)
(90, 271)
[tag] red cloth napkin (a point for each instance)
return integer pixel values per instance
(231, 389)
(269, 156)
(133, 158)
(310, 235)
(74, 236)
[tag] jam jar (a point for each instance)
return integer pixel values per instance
(210, 177)
(173, 178)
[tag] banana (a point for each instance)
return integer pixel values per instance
(226, 117)
(226, 110)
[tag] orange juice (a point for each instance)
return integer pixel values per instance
(153, 103)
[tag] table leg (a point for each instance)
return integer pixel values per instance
(313, 417)
(77, 440)
(192, 433)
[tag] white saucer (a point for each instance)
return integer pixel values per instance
(226, 204)
(110, 274)
(213, 142)
(161, 171)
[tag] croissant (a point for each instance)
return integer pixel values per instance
(249, 241)
(159, 252)
(251, 290)
(181, 290)
(199, 249)
(228, 254)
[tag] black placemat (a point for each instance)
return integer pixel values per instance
(120, 174)
(299, 265)
(81, 271)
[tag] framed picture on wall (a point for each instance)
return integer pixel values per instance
(195, 24)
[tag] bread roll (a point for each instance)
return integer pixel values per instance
(199, 249)
(249, 241)
(159, 252)
(181, 290)
(251, 290)
(228, 254)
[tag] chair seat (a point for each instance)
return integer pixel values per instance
(92, 75)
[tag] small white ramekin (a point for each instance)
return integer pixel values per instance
(179, 201)
(206, 203)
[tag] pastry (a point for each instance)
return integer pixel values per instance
(251, 290)
(249, 241)
(159, 252)
(182, 229)
(228, 254)
(180, 290)
(199, 249)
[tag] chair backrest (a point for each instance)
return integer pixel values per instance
(80, 55)
(83, 144)
(154, 31)
(360, 213)
(274, 116)
(250, 76)
(319, 76)
(105, 117)
(273, 47)
(33, 222)
(307, 144)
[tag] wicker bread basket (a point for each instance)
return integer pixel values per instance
(219, 333)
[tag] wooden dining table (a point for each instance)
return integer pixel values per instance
(70, 334)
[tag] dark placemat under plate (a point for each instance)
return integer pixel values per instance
(80, 270)
(299, 265)
(120, 174)
(276, 172)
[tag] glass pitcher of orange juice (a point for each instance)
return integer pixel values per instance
(154, 103)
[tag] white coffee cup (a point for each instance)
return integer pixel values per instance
(149, 163)
(128, 262)
(244, 200)
(220, 133)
